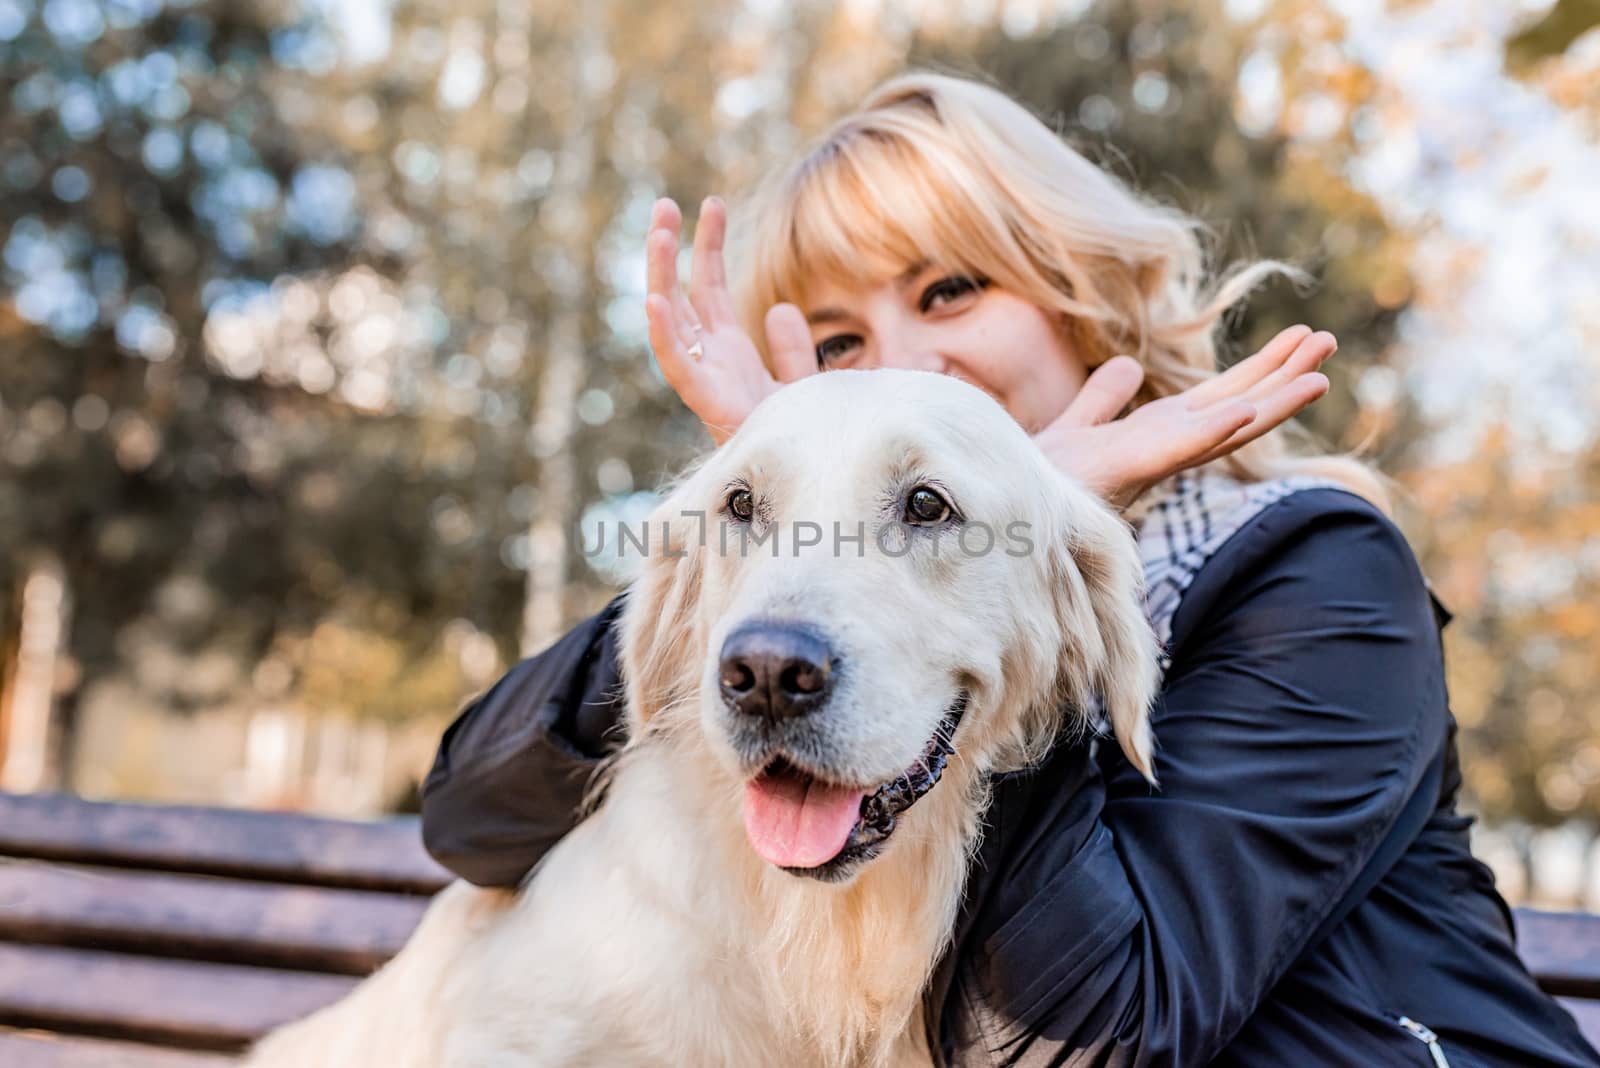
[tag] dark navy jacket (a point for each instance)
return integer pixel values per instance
(1299, 883)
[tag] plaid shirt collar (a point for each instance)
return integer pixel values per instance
(1183, 521)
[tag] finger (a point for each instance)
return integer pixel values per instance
(665, 214)
(1238, 379)
(789, 340)
(661, 270)
(1109, 389)
(708, 283)
(661, 265)
(1306, 358)
(677, 366)
(1272, 412)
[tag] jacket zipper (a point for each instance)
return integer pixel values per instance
(1425, 1035)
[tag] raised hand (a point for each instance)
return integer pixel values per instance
(705, 356)
(1121, 458)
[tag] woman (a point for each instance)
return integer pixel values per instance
(1299, 890)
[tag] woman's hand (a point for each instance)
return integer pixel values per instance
(1121, 458)
(704, 355)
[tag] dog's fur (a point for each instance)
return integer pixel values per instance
(653, 934)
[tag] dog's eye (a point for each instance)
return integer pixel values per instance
(741, 505)
(926, 506)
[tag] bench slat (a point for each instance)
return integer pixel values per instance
(33, 1049)
(179, 1003)
(278, 847)
(1562, 950)
(310, 928)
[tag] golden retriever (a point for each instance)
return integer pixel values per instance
(873, 597)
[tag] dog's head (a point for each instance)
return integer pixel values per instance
(881, 572)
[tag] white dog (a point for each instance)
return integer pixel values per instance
(878, 593)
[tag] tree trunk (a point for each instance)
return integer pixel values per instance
(30, 752)
(572, 285)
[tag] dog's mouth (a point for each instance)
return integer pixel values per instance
(809, 826)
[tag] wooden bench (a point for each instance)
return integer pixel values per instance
(163, 937)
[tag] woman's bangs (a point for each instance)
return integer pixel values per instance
(866, 208)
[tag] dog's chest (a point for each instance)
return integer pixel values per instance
(675, 948)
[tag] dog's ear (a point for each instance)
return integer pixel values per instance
(1109, 651)
(660, 646)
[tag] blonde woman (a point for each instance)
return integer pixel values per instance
(1298, 891)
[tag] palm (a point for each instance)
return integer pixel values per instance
(735, 380)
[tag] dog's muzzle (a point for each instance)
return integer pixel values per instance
(775, 678)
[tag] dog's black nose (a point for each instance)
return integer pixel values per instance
(775, 670)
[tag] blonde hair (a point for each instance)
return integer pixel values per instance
(939, 169)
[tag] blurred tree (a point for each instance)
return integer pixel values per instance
(277, 327)
(1564, 23)
(1547, 53)
(1513, 550)
(145, 178)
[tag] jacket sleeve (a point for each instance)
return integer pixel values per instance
(1305, 700)
(512, 769)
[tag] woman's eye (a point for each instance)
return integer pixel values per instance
(948, 290)
(835, 350)
(924, 506)
(742, 505)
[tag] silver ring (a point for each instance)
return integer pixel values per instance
(697, 350)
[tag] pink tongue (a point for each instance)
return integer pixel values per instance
(796, 823)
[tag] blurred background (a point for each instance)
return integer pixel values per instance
(321, 337)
